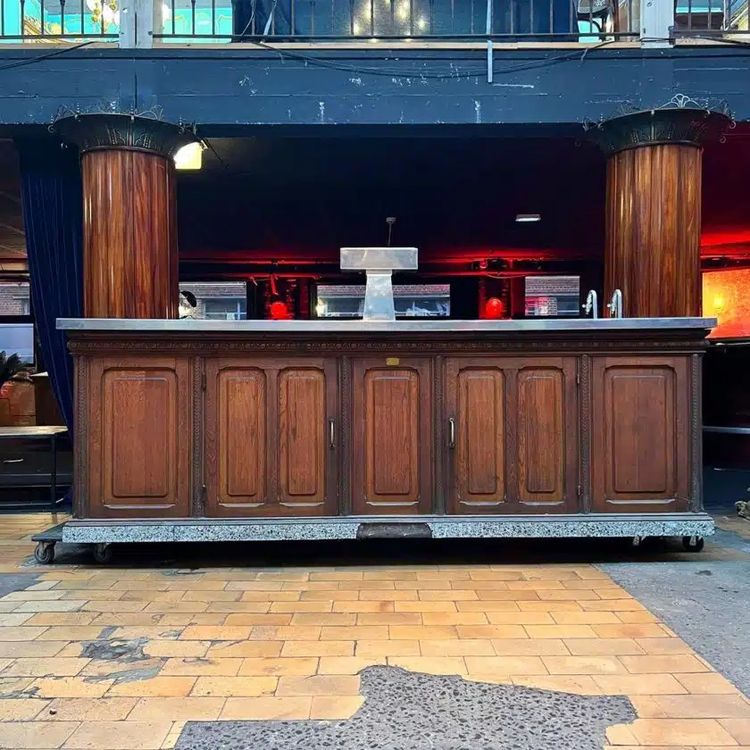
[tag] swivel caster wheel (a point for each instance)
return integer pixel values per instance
(102, 553)
(692, 543)
(44, 553)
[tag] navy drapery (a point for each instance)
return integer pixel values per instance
(53, 220)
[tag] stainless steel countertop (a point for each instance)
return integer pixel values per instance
(399, 326)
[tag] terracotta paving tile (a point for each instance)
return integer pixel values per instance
(603, 646)
(318, 648)
(691, 706)
(329, 596)
(69, 687)
(70, 633)
(681, 732)
(491, 631)
(559, 631)
(23, 633)
(633, 684)
(335, 707)
(436, 585)
(422, 632)
(173, 735)
(177, 709)
(13, 619)
(621, 734)
(437, 595)
(122, 735)
(590, 665)
(510, 665)
(430, 664)
(89, 709)
(673, 663)
(156, 632)
(38, 667)
(222, 649)
(355, 633)
(148, 595)
(342, 619)
(21, 709)
(38, 735)
(586, 618)
(215, 633)
(630, 631)
(249, 618)
(30, 596)
(663, 646)
(267, 708)
(259, 596)
(176, 648)
(324, 606)
(387, 648)
(738, 728)
(9, 649)
(395, 618)
(115, 619)
(529, 647)
(283, 666)
(234, 686)
(420, 606)
(463, 647)
(199, 666)
(107, 606)
(444, 618)
(348, 664)
(520, 618)
(192, 583)
(508, 595)
(318, 685)
(541, 606)
(286, 633)
(360, 606)
(707, 683)
(534, 585)
(97, 594)
(240, 607)
(160, 686)
(337, 575)
(103, 668)
(613, 605)
(202, 596)
(578, 684)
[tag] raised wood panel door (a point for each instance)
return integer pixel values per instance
(511, 434)
(640, 434)
(392, 436)
(139, 442)
(270, 437)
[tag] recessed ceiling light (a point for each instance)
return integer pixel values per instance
(528, 218)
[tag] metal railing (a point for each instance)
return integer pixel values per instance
(352, 20)
(54, 20)
(711, 17)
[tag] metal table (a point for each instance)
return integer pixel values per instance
(49, 433)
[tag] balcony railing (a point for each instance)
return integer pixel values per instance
(711, 18)
(226, 21)
(352, 20)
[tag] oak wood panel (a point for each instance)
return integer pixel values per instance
(393, 435)
(130, 238)
(640, 451)
(516, 434)
(139, 438)
(653, 225)
(266, 422)
(302, 437)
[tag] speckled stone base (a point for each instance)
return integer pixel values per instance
(446, 527)
(409, 711)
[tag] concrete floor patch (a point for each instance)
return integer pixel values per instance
(423, 712)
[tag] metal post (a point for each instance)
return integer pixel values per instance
(137, 19)
(657, 22)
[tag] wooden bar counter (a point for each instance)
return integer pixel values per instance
(248, 430)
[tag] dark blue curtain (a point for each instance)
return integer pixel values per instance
(53, 221)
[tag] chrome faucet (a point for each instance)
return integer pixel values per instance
(615, 304)
(592, 304)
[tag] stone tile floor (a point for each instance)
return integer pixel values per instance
(121, 657)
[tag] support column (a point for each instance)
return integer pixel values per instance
(653, 208)
(129, 227)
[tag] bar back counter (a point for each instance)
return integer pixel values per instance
(255, 430)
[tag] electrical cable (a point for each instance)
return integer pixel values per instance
(47, 56)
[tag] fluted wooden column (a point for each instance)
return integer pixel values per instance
(653, 209)
(129, 229)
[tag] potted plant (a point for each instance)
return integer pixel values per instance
(12, 370)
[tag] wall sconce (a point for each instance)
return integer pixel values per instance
(190, 156)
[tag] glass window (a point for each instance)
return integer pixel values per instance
(213, 300)
(18, 338)
(15, 298)
(553, 296)
(410, 300)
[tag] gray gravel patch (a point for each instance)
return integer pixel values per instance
(705, 601)
(410, 711)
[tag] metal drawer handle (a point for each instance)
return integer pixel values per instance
(12, 460)
(451, 432)
(331, 433)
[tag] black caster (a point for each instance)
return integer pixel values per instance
(692, 543)
(102, 553)
(44, 553)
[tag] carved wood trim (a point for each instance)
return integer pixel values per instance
(696, 432)
(196, 430)
(584, 410)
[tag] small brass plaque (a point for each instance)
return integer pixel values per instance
(392, 361)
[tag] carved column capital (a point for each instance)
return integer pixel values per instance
(687, 126)
(113, 131)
